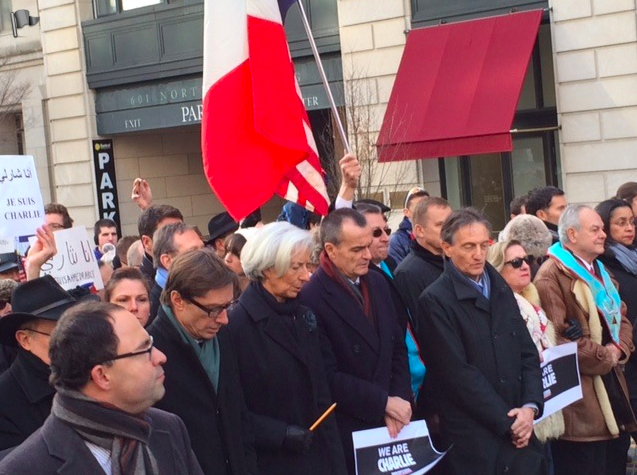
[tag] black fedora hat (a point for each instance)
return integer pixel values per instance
(8, 261)
(38, 298)
(221, 225)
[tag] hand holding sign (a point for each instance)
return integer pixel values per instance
(42, 250)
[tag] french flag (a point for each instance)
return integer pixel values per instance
(255, 135)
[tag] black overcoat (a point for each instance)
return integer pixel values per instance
(485, 363)
(364, 366)
(56, 449)
(217, 421)
(25, 399)
(284, 383)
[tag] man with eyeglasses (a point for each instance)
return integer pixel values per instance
(107, 375)
(480, 359)
(202, 379)
(25, 393)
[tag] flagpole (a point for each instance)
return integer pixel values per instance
(326, 84)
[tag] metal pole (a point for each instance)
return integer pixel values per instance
(537, 129)
(326, 84)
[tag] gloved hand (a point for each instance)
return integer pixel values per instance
(297, 439)
(573, 331)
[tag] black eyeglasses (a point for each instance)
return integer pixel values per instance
(3, 304)
(213, 312)
(38, 332)
(378, 232)
(518, 261)
(135, 353)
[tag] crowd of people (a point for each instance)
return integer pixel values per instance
(216, 354)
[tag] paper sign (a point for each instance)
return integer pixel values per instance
(21, 206)
(560, 378)
(75, 263)
(411, 453)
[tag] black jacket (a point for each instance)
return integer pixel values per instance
(217, 421)
(414, 274)
(284, 383)
(56, 449)
(155, 304)
(364, 365)
(148, 269)
(628, 293)
(402, 314)
(25, 399)
(483, 359)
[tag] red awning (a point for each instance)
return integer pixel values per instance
(457, 88)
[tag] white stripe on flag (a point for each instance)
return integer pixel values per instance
(265, 9)
(225, 39)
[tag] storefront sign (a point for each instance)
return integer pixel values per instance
(75, 263)
(376, 453)
(104, 164)
(560, 378)
(22, 209)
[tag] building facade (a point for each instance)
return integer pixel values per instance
(130, 71)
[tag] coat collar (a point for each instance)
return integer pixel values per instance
(259, 311)
(32, 375)
(465, 291)
(343, 305)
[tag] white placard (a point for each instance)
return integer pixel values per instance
(75, 263)
(560, 378)
(21, 206)
(411, 452)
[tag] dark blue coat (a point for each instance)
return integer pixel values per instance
(284, 383)
(364, 366)
(484, 363)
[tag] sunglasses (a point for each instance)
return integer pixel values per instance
(212, 312)
(518, 261)
(3, 304)
(378, 232)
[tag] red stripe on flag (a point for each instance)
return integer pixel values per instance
(252, 133)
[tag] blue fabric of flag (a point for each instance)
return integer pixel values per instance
(284, 6)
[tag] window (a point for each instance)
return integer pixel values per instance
(111, 7)
(5, 15)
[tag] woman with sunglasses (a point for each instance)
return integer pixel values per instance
(512, 262)
(280, 366)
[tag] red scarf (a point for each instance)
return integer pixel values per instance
(332, 271)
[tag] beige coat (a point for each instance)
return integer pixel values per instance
(564, 297)
(553, 426)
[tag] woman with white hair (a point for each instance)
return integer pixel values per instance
(277, 344)
(531, 232)
(511, 260)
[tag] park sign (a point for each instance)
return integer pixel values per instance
(410, 453)
(22, 208)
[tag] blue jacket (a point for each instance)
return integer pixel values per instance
(400, 241)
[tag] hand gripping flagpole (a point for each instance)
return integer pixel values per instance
(326, 84)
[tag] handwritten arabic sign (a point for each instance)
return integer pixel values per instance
(560, 378)
(75, 263)
(376, 453)
(22, 210)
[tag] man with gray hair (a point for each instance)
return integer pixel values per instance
(481, 360)
(169, 242)
(573, 284)
(362, 344)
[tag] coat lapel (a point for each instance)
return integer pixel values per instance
(64, 443)
(347, 309)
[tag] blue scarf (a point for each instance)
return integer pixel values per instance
(604, 292)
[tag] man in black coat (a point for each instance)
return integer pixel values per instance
(25, 393)
(424, 263)
(202, 379)
(362, 344)
(107, 374)
(482, 357)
